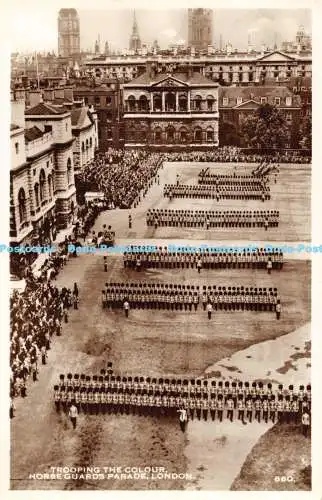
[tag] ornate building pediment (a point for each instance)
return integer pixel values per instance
(170, 82)
(251, 104)
(276, 56)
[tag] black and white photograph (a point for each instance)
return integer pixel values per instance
(160, 249)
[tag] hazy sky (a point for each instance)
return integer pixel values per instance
(31, 29)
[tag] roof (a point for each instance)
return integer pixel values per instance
(46, 109)
(254, 93)
(194, 79)
(13, 126)
(78, 116)
(32, 134)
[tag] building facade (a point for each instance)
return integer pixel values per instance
(235, 103)
(255, 68)
(171, 112)
(45, 115)
(200, 28)
(107, 101)
(68, 33)
(32, 182)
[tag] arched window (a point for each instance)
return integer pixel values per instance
(198, 134)
(83, 147)
(210, 134)
(50, 186)
(36, 191)
(42, 182)
(69, 172)
(158, 135)
(22, 205)
(170, 134)
(183, 135)
(157, 102)
(90, 142)
(210, 102)
(86, 143)
(131, 103)
(143, 103)
(198, 102)
(170, 102)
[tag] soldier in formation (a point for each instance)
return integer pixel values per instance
(207, 219)
(202, 399)
(254, 190)
(187, 297)
(162, 258)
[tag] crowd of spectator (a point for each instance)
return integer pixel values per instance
(123, 176)
(36, 315)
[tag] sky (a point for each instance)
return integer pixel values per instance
(36, 29)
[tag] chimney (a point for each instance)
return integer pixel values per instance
(18, 113)
(35, 97)
(68, 93)
(48, 95)
(59, 93)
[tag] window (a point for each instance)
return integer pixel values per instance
(277, 101)
(131, 103)
(289, 117)
(42, 182)
(36, 191)
(263, 100)
(69, 171)
(170, 134)
(210, 102)
(90, 142)
(108, 100)
(22, 205)
(288, 101)
(198, 134)
(198, 103)
(183, 135)
(225, 101)
(239, 100)
(86, 143)
(50, 187)
(47, 164)
(66, 126)
(294, 89)
(17, 148)
(97, 100)
(210, 134)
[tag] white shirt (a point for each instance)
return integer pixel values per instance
(209, 307)
(73, 412)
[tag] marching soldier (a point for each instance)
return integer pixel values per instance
(265, 405)
(230, 407)
(198, 407)
(205, 407)
(272, 408)
(57, 397)
(249, 409)
(220, 407)
(241, 408)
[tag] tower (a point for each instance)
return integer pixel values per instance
(135, 41)
(200, 28)
(68, 33)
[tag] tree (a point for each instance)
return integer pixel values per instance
(306, 134)
(265, 128)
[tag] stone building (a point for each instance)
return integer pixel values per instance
(238, 102)
(106, 100)
(171, 111)
(68, 33)
(200, 28)
(232, 67)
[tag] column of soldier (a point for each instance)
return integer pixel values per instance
(141, 257)
(207, 219)
(238, 191)
(141, 295)
(205, 399)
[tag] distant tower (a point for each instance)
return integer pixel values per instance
(300, 36)
(200, 28)
(68, 33)
(220, 42)
(106, 49)
(97, 48)
(135, 41)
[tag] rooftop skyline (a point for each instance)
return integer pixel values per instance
(38, 30)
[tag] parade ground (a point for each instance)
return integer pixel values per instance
(160, 343)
